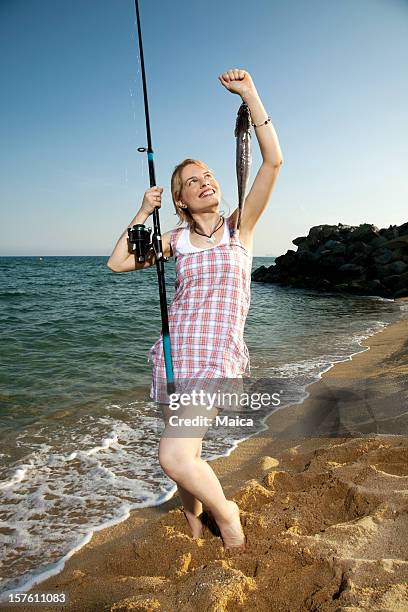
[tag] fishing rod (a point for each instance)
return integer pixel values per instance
(138, 233)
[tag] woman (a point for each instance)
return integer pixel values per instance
(208, 312)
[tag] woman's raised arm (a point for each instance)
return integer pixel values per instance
(241, 83)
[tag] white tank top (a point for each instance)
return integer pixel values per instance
(184, 243)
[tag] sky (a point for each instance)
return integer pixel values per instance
(331, 74)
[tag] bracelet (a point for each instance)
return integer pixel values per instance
(260, 124)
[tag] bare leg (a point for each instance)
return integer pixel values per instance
(192, 507)
(178, 458)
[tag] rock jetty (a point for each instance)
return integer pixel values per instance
(361, 259)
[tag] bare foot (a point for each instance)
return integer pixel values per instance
(231, 530)
(195, 523)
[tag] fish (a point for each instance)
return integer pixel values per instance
(243, 155)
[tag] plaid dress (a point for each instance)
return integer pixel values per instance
(207, 316)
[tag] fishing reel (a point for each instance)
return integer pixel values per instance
(139, 238)
(142, 243)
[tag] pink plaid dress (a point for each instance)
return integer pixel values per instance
(207, 315)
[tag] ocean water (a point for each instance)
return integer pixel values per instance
(78, 432)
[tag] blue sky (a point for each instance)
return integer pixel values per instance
(331, 73)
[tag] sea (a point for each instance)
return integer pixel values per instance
(78, 432)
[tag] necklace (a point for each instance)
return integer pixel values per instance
(210, 237)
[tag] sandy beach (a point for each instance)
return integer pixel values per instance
(324, 506)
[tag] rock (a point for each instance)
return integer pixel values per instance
(403, 229)
(339, 250)
(356, 287)
(365, 232)
(324, 285)
(396, 267)
(332, 261)
(351, 270)
(402, 280)
(342, 258)
(390, 233)
(390, 281)
(308, 257)
(401, 242)
(400, 293)
(374, 287)
(321, 250)
(320, 233)
(303, 247)
(379, 241)
(285, 261)
(259, 273)
(399, 253)
(344, 229)
(360, 259)
(383, 257)
(358, 247)
(298, 241)
(331, 244)
(343, 287)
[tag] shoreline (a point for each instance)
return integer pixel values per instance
(100, 562)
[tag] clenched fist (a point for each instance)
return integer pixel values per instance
(238, 81)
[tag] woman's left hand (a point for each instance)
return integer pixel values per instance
(238, 81)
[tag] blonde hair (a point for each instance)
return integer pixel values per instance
(176, 186)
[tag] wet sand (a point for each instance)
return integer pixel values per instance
(324, 504)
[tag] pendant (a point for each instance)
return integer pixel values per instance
(211, 239)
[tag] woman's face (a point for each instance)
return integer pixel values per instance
(200, 190)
